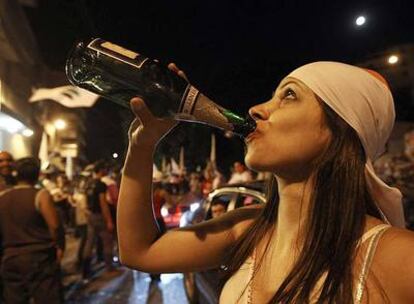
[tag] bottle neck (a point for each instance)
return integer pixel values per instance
(196, 107)
(241, 126)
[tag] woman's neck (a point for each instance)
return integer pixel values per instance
(294, 203)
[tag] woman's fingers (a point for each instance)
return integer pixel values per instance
(133, 126)
(173, 67)
(146, 123)
(141, 110)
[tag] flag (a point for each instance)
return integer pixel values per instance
(69, 167)
(156, 174)
(43, 152)
(67, 96)
(1, 96)
(175, 169)
(182, 164)
(164, 168)
(213, 149)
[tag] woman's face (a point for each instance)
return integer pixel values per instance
(290, 132)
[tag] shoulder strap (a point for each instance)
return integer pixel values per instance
(371, 232)
(251, 275)
(376, 234)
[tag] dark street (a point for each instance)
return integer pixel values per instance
(120, 286)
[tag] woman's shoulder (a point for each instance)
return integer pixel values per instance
(395, 261)
(397, 242)
(392, 236)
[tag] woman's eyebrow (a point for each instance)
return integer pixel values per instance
(284, 85)
(290, 82)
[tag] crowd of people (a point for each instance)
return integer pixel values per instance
(40, 209)
(397, 169)
(37, 211)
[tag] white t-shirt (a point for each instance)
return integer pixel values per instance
(81, 204)
(243, 177)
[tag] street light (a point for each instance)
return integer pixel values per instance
(27, 132)
(360, 20)
(115, 155)
(60, 124)
(393, 59)
(10, 124)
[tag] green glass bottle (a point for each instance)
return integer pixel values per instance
(119, 74)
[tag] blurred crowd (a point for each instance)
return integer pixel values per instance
(39, 209)
(397, 169)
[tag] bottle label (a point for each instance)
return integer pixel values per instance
(188, 101)
(117, 52)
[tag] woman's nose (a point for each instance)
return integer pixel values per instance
(258, 112)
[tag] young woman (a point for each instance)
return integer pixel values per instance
(325, 235)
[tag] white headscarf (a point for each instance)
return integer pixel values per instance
(366, 104)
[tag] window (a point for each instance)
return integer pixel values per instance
(246, 200)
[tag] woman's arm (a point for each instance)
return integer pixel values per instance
(199, 247)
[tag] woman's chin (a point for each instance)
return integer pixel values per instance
(256, 164)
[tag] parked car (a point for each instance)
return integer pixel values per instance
(172, 215)
(203, 287)
(180, 201)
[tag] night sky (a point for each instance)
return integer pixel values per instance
(235, 52)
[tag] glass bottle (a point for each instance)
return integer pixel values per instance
(119, 74)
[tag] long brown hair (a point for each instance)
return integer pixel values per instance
(335, 221)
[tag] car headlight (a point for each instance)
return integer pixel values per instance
(183, 220)
(194, 206)
(164, 211)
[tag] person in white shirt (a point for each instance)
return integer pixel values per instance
(79, 201)
(240, 174)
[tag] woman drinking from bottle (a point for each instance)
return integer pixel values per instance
(331, 231)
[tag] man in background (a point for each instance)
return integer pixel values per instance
(32, 239)
(6, 170)
(218, 208)
(100, 223)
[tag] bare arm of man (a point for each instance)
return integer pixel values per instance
(48, 211)
(106, 213)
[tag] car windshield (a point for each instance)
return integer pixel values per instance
(246, 200)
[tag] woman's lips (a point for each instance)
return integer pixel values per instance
(256, 133)
(251, 137)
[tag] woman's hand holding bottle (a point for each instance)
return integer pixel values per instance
(146, 129)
